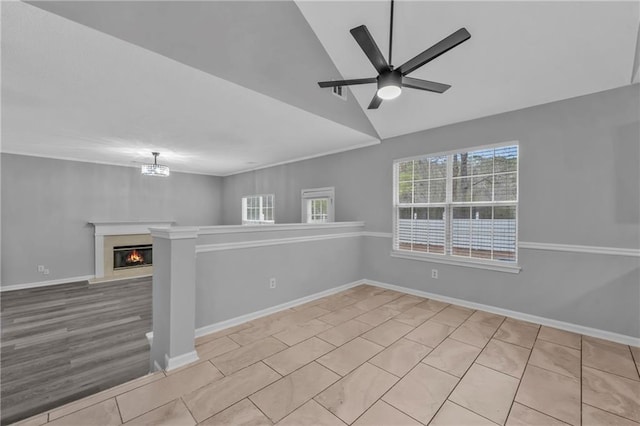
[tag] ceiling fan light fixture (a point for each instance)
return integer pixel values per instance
(155, 169)
(389, 85)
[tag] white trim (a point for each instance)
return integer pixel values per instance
(377, 234)
(613, 251)
(453, 260)
(46, 283)
(234, 229)
(575, 328)
(175, 233)
(308, 157)
(204, 248)
(212, 328)
(180, 360)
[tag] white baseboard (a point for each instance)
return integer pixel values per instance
(180, 360)
(46, 283)
(587, 331)
(212, 328)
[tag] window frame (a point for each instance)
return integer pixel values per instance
(447, 257)
(261, 197)
(308, 195)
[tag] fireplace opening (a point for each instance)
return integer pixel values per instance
(125, 257)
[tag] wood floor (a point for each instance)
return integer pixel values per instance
(64, 342)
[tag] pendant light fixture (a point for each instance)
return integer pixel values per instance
(155, 169)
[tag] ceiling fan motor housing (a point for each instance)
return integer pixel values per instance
(389, 84)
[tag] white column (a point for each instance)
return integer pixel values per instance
(174, 297)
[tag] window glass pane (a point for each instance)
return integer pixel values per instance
(482, 188)
(405, 171)
(481, 162)
(405, 229)
(506, 187)
(462, 189)
(506, 159)
(421, 194)
(438, 167)
(436, 230)
(437, 191)
(461, 164)
(504, 233)
(419, 236)
(405, 192)
(421, 169)
(481, 232)
(461, 231)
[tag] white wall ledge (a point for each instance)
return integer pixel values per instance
(234, 229)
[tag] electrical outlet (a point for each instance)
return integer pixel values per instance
(40, 268)
(434, 274)
(272, 283)
(46, 272)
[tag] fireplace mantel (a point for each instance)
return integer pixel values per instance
(103, 229)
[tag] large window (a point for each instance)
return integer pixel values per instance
(458, 204)
(257, 209)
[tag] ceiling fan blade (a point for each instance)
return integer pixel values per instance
(431, 86)
(434, 51)
(370, 48)
(335, 83)
(375, 102)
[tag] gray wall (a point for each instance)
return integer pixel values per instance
(579, 175)
(235, 282)
(47, 204)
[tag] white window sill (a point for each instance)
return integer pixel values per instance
(450, 260)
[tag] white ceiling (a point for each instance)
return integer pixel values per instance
(117, 80)
(520, 54)
(69, 91)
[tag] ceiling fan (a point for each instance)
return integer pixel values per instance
(391, 80)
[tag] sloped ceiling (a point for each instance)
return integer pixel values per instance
(216, 87)
(521, 53)
(222, 87)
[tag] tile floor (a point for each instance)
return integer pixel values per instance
(369, 356)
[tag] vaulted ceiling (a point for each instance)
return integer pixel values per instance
(223, 87)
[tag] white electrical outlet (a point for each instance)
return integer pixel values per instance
(272, 283)
(434, 274)
(46, 272)
(40, 268)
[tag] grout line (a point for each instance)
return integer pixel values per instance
(188, 409)
(524, 372)
(118, 408)
(609, 412)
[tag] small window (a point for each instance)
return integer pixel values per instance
(459, 204)
(317, 205)
(257, 209)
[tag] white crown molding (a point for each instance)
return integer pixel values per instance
(611, 251)
(204, 248)
(574, 328)
(25, 286)
(234, 229)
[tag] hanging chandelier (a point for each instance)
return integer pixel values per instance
(155, 169)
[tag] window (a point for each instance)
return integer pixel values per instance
(459, 204)
(257, 209)
(317, 205)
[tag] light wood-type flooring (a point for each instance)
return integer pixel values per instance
(61, 343)
(370, 356)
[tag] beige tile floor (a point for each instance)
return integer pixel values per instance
(369, 356)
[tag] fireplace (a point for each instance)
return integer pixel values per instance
(132, 256)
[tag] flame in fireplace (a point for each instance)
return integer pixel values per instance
(135, 257)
